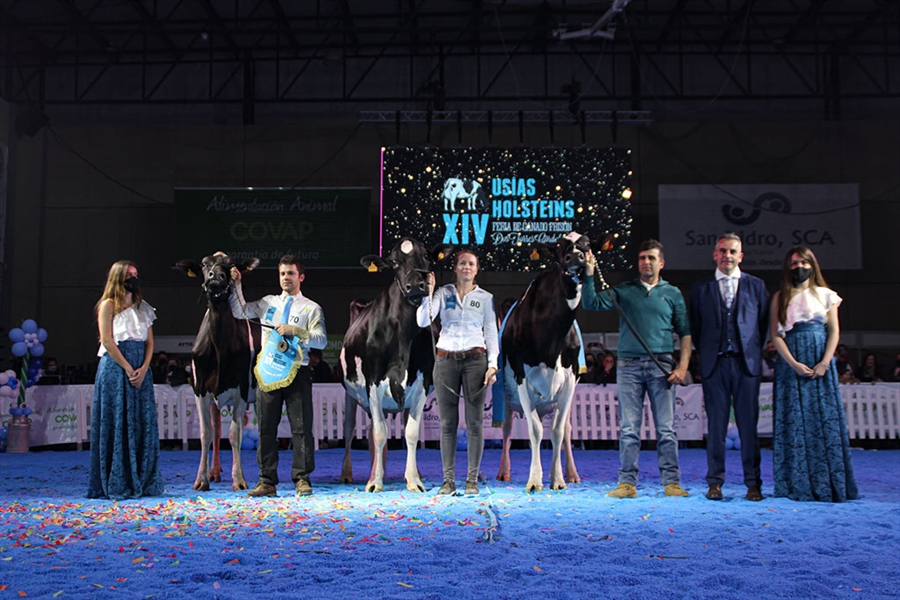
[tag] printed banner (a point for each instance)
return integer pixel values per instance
(769, 218)
(505, 202)
(323, 227)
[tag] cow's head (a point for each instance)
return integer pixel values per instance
(410, 261)
(569, 253)
(215, 272)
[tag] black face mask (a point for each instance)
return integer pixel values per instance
(799, 275)
(131, 284)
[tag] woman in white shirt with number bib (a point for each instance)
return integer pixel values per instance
(465, 362)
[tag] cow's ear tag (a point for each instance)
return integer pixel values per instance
(190, 273)
(372, 268)
(534, 254)
(440, 256)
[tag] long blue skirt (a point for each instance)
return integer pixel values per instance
(812, 446)
(124, 432)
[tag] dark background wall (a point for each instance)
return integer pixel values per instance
(95, 184)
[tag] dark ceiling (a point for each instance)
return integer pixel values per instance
(438, 54)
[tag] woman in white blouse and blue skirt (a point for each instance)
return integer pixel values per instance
(124, 431)
(465, 362)
(812, 447)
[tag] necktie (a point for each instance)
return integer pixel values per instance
(287, 309)
(728, 291)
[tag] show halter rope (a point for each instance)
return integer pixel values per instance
(606, 287)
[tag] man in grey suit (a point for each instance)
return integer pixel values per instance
(729, 318)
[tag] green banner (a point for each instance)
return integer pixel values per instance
(324, 227)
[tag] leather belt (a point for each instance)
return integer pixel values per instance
(471, 353)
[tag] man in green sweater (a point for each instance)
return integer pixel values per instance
(656, 309)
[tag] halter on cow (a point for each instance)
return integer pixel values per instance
(387, 359)
(223, 356)
(540, 346)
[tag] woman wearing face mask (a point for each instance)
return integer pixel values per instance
(466, 362)
(812, 447)
(124, 431)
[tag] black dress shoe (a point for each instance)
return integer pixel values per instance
(715, 492)
(753, 494)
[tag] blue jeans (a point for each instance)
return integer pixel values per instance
(637, 377)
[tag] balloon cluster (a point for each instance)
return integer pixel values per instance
(11, 388)
(733, 439)
(28, 339)
(28, 344)
(250, 439)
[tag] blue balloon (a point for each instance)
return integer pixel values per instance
(248, 443)
(13, 383)
(16, 335)
(42, 335)
(19, 349)
(29, 326)
(32, 370)
(37, 363)
(37, 350)
(30, 382)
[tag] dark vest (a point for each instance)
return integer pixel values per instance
(728, 318)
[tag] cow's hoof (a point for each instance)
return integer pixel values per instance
(345, 479)
(573, 478)
(374, 487)
(215, 478)
(501, 476)
(239, 485)
(415, 487)
(534, 487)
(558, 486)
(201, 486)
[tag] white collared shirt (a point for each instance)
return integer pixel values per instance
(735, 275)
(466, 323)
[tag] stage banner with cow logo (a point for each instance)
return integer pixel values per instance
(505, 202)
(770, 219)
(323, 227)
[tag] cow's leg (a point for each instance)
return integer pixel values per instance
(503, 473)
(215, 467)
(571, 472)
(235, 437)
(349, 426)
(206, 433)
(535, 434)
(558, 432)
(411, 433)
(377, 441)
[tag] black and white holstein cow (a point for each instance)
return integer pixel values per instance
(540, 348)
(223, 357)
(387, 359)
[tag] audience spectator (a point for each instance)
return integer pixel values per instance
(897, 368)
(846, 377)
(321, 371)
(50, 373)
(607, 372)
(175, 373)
(160, 366)
(869, 371)
(589, 376)
(842, 360)
(767, 367)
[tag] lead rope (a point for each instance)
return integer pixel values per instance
(605, 287)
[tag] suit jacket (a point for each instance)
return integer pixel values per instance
(751, 307)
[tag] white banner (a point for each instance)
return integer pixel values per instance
(769, 218)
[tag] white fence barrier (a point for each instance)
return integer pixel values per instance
(62, 414)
